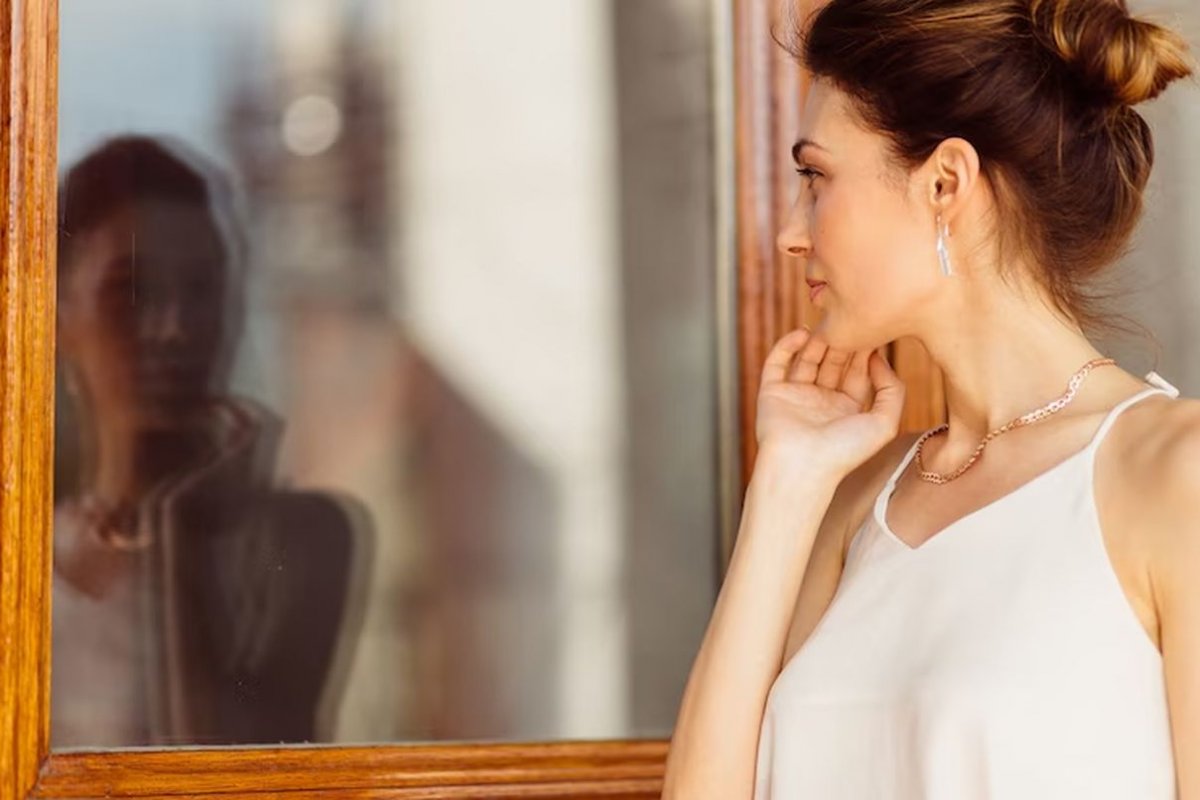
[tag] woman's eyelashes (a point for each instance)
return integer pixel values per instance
(808, 173)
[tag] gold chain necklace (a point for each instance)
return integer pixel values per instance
(1021, 421)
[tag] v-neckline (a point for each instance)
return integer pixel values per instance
(883, 500)
(881, 506)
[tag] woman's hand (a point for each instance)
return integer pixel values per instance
(825, 408)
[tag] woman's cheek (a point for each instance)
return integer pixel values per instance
(819, 224)
(833, 234)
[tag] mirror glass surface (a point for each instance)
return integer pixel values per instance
(387, 380)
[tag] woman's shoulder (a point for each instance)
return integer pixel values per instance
(1154, 469)
(1158, 441)
(1161, 491)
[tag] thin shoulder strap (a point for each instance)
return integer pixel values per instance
(912, 451)
(1158, 386)
(1161, 382)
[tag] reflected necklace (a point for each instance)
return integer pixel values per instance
(1021, 421)
(114, 525)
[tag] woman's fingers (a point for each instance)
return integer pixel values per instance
(889, 390)
(829, 373)
(856, 382)
(780, 358)
(803, 357)
(808, 361)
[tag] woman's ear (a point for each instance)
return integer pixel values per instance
(954, 175)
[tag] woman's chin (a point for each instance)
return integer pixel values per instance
(840, 338)
(827, 330)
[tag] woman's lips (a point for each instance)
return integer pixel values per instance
(814, 289)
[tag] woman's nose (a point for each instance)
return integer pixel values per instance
(793, 239)
(164, 321)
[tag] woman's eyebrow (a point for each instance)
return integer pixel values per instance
(802, 143)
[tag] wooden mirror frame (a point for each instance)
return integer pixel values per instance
(766, 302)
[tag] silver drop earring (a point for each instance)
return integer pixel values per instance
(942, 251)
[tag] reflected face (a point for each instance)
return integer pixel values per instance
(142, 316)
(862, 223)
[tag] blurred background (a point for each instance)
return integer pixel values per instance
(1161, 274)
(387, 369)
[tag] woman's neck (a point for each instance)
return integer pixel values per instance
(1005, 357)
(130, 459)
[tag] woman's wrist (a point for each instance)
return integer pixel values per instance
(786, 500)
(777, 470)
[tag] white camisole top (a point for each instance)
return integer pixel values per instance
(998, 660)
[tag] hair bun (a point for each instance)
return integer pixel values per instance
(1124, 59)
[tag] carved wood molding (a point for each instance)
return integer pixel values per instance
(28, 141)
(610, 769)
(767, 105)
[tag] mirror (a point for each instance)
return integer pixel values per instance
(388, 382)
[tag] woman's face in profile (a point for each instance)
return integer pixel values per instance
(863, 224)
(142, 316)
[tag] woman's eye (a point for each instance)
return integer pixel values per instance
(807, 172)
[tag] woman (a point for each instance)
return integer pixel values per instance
(195, 601)
(1007, 606)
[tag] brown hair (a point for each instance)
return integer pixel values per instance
(1043, 89)
(126, 170)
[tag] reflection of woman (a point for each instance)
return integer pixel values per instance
(1007, 606)
(192, 601)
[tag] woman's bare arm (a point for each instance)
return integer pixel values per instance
(1168, 485)
(851, 504)
(821, 414)
(715, 743)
